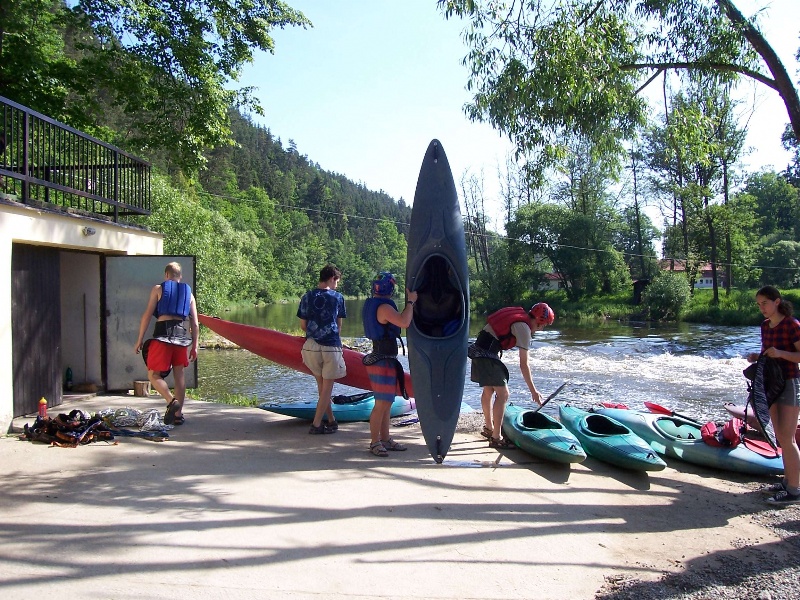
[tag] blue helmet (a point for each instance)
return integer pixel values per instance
(384, 284)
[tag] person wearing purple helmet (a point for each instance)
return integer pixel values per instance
(506, 328)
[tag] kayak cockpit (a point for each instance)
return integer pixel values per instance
(677, 429)
(537, 420)
(601, 425)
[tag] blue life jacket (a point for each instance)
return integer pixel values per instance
(176, 299)
(373, 329)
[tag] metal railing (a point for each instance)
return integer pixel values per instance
(44, 161)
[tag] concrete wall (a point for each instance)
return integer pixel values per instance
(80, 276)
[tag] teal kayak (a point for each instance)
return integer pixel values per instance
(609, 440)
(345, 408)
(541, 435)
(681, 438)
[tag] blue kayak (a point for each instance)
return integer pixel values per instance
(681, 438)
(345, 408)
(609, 440)
(436, 268)
(541, 435)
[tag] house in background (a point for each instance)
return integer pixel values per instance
(551, 282)
(77, 268)
(704, 275)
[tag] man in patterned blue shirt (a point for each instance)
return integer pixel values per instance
(321, 312)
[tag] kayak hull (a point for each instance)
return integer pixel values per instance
(680, 438)
(285, 350)
(436, 268)
(359, 410)
(609, 440)
(542, 436)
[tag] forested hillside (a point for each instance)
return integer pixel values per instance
(263, 219)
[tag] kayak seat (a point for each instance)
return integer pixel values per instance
(439, 310)
(678, 430)
(536, 420)
(604, 426)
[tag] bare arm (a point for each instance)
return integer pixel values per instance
(525, 369)
(147, 315)
(386, 314)
(785, 354)
(195, 329)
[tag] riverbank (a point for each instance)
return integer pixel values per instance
(243, 503)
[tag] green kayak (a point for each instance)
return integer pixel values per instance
(541, 435)
(609, 440)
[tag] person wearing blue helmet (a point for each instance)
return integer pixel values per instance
(382, 324)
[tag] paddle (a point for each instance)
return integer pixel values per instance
(657, 408)
(551, 396)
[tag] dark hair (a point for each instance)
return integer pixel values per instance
(329, 271)
(771, 293)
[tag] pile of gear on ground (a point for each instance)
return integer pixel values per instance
(80, 428)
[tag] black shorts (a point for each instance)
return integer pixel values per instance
(489, 372)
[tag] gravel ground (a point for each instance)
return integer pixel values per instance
(746, 573)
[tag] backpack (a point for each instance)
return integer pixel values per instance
(773, 381)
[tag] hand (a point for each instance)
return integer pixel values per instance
(412, 296)
(137, 347)
(537, 397)
(752, 357)
(773, 352)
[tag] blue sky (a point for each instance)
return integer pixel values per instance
(364, 91)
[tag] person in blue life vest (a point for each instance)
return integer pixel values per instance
(172, 347)
(506, 328)
(321, 312)
(382, 324)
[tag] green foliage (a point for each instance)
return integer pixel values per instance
(780, 264)
(161, 66)
(666, 296)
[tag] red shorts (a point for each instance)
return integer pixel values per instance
(162, 356)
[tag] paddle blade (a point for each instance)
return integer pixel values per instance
(657, 408)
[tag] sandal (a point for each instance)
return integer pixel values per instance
(501, 443)
(390, 444)
(172, 408)
(179, 420)
(486, 432)
(378, 450)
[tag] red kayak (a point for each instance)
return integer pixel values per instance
(284, 349)
(738, 411)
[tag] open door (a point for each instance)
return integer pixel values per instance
(128, 281)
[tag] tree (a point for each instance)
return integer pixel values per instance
(541, 68)
(160, 68)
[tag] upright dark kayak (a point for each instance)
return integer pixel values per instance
(436, 268)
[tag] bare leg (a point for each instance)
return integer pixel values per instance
(159, 385)
(180, 387)
(486, 405)
(500, 399)
(324, 387)
(379, 421)
(784, 419)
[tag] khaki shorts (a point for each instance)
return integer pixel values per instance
(324, 361)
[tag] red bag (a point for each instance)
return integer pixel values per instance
(728, 434)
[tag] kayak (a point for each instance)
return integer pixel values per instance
(285, 350)
(345, 408)
(681, 438)
(609, 440)
(541, 435)
(738, 411)
(436, 268)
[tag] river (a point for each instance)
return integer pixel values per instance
(691, 369)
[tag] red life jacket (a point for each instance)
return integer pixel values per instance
(502, 320)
